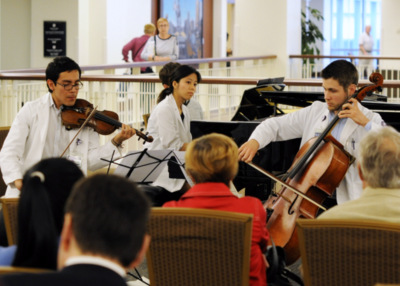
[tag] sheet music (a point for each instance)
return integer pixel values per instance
(145, 166)
(180, 156)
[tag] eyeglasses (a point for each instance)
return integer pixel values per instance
(69, 86)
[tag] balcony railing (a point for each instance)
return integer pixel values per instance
(132, 96)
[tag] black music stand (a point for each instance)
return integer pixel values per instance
(144, 167)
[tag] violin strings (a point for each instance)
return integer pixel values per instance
(107, 119)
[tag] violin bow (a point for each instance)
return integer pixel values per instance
(91, 114)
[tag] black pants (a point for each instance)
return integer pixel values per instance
(158, 195)
(328, 203)
(3, 234)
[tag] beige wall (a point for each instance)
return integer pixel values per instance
(268, 27)
(15, 35)
(98, 29)
(53, 10)
(390, 34)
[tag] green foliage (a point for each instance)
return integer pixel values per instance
(310, 33)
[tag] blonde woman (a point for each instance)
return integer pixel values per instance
(162, 47)
(212, 163)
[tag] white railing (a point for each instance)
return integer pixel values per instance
(132, 96)
(310, 66)
(129, 96)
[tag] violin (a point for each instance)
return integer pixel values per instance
(318, 168)
(103, 122)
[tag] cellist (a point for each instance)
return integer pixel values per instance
(339, 81)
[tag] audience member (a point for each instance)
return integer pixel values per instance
(46, 187)
(195, 109)
(169, 125)
(104, 234)
(211, 161)
(162, 47)
(37, 131)
(136, 45)
(379, 168)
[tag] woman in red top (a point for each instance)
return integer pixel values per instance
(212, 163)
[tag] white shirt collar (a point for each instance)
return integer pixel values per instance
(85, 259)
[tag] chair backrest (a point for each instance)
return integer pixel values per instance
(199, 247)
(16, 269)
(146, 119)
(10, 213)
(3, 135)
(349, 252)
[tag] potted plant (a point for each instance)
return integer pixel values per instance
(310, 33)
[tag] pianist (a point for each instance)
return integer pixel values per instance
(339, 80)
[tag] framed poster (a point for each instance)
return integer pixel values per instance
(54, 38)
(185, 19)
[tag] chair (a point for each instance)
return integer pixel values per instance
(146, 119)
(10, 213)
(16, 269)
(199, 247)
(349, 252)
(3, 135)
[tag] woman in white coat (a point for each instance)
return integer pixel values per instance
(169, 124)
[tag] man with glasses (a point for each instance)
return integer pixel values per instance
(37, 131)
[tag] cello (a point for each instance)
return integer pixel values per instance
(317, 170)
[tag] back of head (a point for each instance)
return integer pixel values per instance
(149, 28)
(212, 158)
(180, 72)
(380, 158)
(166, 72)
(342, 71)
(59, 65)
(45, 190)
(109, 217)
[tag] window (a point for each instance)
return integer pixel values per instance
(349, 18)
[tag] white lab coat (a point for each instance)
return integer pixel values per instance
(26, 139)
(310, 122)
(169, 132)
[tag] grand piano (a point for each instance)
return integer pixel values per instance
(258, 104)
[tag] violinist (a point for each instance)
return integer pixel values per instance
(339, 80)
(37, 131)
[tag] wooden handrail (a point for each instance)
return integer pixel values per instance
(205, 79)
(145, 64)
(343, 57)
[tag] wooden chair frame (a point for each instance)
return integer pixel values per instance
(10, 214)
(190, 246)
(349, 252)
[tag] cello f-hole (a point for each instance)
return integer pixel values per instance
(291, 210)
